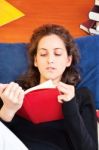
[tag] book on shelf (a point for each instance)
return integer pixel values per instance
(41, 104)
(97, 2)
(94, 13)
(97, 25)
(93, 30)
(9, 141)
(87, 24)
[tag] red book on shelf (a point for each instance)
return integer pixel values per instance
(97, 115)
(94, 13)
(87, 24)
(93, 30)
(41, 105)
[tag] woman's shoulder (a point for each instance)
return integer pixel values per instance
(84, 91)
(85, 95)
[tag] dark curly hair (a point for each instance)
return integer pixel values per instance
(71, 74)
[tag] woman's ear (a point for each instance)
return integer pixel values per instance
(35, 61)
(69, 61)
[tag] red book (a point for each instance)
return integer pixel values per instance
(93, 30)
(41, 105)
(97, 114)
(94, 13)
(87, 25)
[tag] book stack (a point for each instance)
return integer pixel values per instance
(91, 26)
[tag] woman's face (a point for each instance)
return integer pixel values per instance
(51, 58)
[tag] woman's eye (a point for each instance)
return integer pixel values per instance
(43, 54)
(58, 54)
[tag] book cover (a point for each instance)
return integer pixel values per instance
(8, 13)
(97, 2)
(87, 24)
(93, 30)
(9, 141)
(41, 104)
(94, 13)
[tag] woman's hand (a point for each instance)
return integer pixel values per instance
(12, 96)
(67, 92)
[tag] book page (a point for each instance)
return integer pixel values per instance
(97, 2)
(47, 84)
(9, 141)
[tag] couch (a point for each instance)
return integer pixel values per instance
(13, 62)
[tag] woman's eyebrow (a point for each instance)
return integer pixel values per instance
(42, 49)
(58, 48)
(53, 49)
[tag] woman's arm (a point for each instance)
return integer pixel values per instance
(80, 121)
(12, 97)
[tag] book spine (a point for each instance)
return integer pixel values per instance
(97, 26)
(94, 13)
(94, 16)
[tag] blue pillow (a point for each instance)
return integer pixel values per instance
(13, 61)
(89, 64)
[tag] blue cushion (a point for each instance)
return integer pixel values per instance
(89, 64)
(13, 61)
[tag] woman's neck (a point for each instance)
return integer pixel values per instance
(55, 82)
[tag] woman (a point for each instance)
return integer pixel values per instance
(53, 55)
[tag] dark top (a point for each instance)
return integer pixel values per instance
(77, 131)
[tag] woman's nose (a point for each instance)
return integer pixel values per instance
(50, 59)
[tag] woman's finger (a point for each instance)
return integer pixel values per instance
(2, 87)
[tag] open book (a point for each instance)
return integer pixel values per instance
(47, 84)
(41, 104)
(8, 140)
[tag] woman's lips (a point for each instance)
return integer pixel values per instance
(50, 68)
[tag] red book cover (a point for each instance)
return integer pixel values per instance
(97, 114)
(87, 24)
(93, 30)
(94, 13)
(41, 105)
